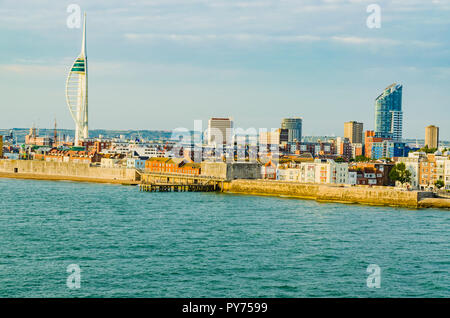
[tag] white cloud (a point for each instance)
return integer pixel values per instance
(227, 37)
(359, 40)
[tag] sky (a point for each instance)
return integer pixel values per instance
(161, 64)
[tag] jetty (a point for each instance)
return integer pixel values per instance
(175, 182)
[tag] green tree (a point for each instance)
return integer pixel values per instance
(400, 173)
(428, 150)
(439, 184)
(362, 159)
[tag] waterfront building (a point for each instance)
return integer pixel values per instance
(322, 171)
(412, 163)
(389, 114)
(354, 132)
(369, 176)
(330, 172)
(136, 163)
(307, 172)
(294, 128)
(352, 176)
(1, 146)
(172, 165)
(74, 156)
(442, 162)
(432, 136)
(77, 92)
(380, 169)
(220, 131)
(432, 168)
(447, 174)
(269, 170)
(288, 174)
(112, 162)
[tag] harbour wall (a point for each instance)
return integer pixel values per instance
(384, 196)
(33, 169)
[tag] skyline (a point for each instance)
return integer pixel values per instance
(251, 61)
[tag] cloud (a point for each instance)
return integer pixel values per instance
(228, 37)
(30, 69)
(282, 38)
(359, 40)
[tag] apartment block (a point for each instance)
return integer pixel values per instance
(354, 132)
(432, 136)
(220, 131)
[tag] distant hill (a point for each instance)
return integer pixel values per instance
(19, 133)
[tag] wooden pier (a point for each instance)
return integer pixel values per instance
(173, 182)
(165, 187)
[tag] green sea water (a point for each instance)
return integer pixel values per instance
(134, 244)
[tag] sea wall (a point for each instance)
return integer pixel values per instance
(352, 194)
(65, 171)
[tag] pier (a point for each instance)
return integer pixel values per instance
(165, 187)
(174, 182)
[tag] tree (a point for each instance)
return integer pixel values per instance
(439, 184)
(400, 173)
(362, 159)
(428, 150)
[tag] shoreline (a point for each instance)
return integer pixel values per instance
(316, 192)
(32, 176)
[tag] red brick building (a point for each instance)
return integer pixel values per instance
(72, 156)
(373, 170)
(172, 165)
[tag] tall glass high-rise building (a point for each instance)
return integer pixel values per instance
(389, 114)
(294, 128)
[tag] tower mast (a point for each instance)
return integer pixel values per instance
(77, 92)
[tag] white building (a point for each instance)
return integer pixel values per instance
(447, 174)
(352, 177)
(308, 172)
(110, 162)
(220, 131)
(412, 163)
(288, 174)
(324, 171)
(330, 172)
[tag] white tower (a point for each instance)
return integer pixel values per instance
(77, 92)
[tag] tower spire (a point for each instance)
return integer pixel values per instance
(83, 44)
(77, 92)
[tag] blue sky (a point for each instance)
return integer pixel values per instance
(162, 64)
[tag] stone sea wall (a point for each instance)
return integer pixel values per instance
(65, 170)
(385, 196)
